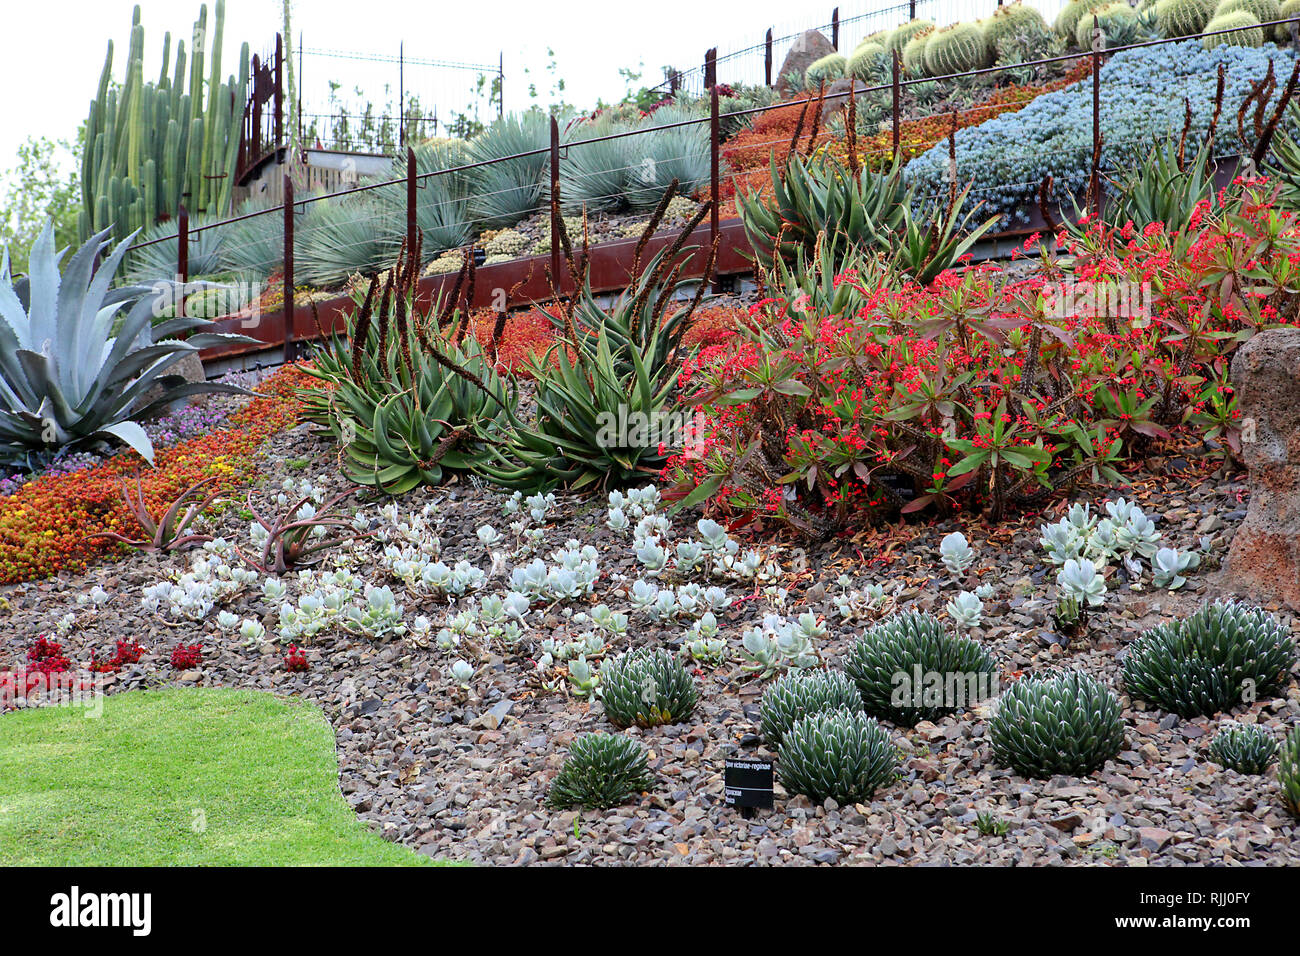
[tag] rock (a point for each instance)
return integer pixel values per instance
(1264, 560)
(1153, 838)
(807, 49)
(190, 368)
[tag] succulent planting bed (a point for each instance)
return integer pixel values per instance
(459, 766)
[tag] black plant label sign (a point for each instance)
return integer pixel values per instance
(747, 783)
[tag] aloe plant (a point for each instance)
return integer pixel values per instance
(74, 372)
(167, 533)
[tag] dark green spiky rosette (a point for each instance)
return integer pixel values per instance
(647, 687)
(895, 664)
(1214, 659)
(1062, 723)
(839, 754)
(800, 693)
(1288, 771)
(1245, 748)
(601, 771)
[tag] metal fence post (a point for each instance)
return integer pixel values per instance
(182, 255)
(401, 94)
(1094, 180)
(556, 280)
(714, 137)
(895, 69)
(710, 67)
(501, 84)
(767, 58)
(911, 10)
(835, 28)
(287, 309)
(410, 200)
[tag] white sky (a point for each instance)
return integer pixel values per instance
(52, 51)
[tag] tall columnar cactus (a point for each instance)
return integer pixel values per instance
(1014, 19)
(1183, 18)
(152, 145)
(1246, 31)
(900, 37)
(956, 49)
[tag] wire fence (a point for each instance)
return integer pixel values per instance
(400, 205)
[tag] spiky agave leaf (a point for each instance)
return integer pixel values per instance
(1288, 771)
(74, 369)
(1245, 748)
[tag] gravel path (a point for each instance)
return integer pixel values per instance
(465, 775)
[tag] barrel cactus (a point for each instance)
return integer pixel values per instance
(1012, 20)
(1282, 32)
(601, 771)
(1265, 11)
(1067, 21)
(868, 59)
(825, 70)
(1212, 660)
(910, 668)
(1064, 723)
(1246, 31)
(647, 687)
(1183, 18)
(904, 34)
(914, 53)
(1288, 771)
(837, 755)
(800, 693)
(1117, 22)
(956, 49)
(1245, 748)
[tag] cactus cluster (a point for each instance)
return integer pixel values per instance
(1245, 748)
(1183, 18)
(1246, 31)
(914, 52)
(837, 755)
(601, 771)
(868, 60)
(911, 668)
(1282, 33)
(1067, 21)
(647, 687)
(1064, 723)
(1265, 11)
(1288, 771)
(904, 34)
(957, 49)
(800, 693)
(1012, 20)
(1212, 660)
(1117, 21)
(825, 70)
(151, 146)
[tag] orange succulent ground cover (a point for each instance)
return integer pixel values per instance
(43, 526)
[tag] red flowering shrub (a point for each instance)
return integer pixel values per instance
(983, 388)
(44, 525)
(127, 652)
(186, 656)
(295, 661)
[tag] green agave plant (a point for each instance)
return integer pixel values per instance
(1064, 723)
(601, 771)
(408, 403)
(647, 687)
(837, 755)
(1288, 771)
(576, 436)
(73, 370)
(1245, 748)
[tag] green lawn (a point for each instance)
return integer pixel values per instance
(179, 777)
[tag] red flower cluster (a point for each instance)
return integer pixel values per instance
(186, 656)
(295, 661)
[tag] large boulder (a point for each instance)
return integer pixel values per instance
(808, 48)
(1264, 560)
